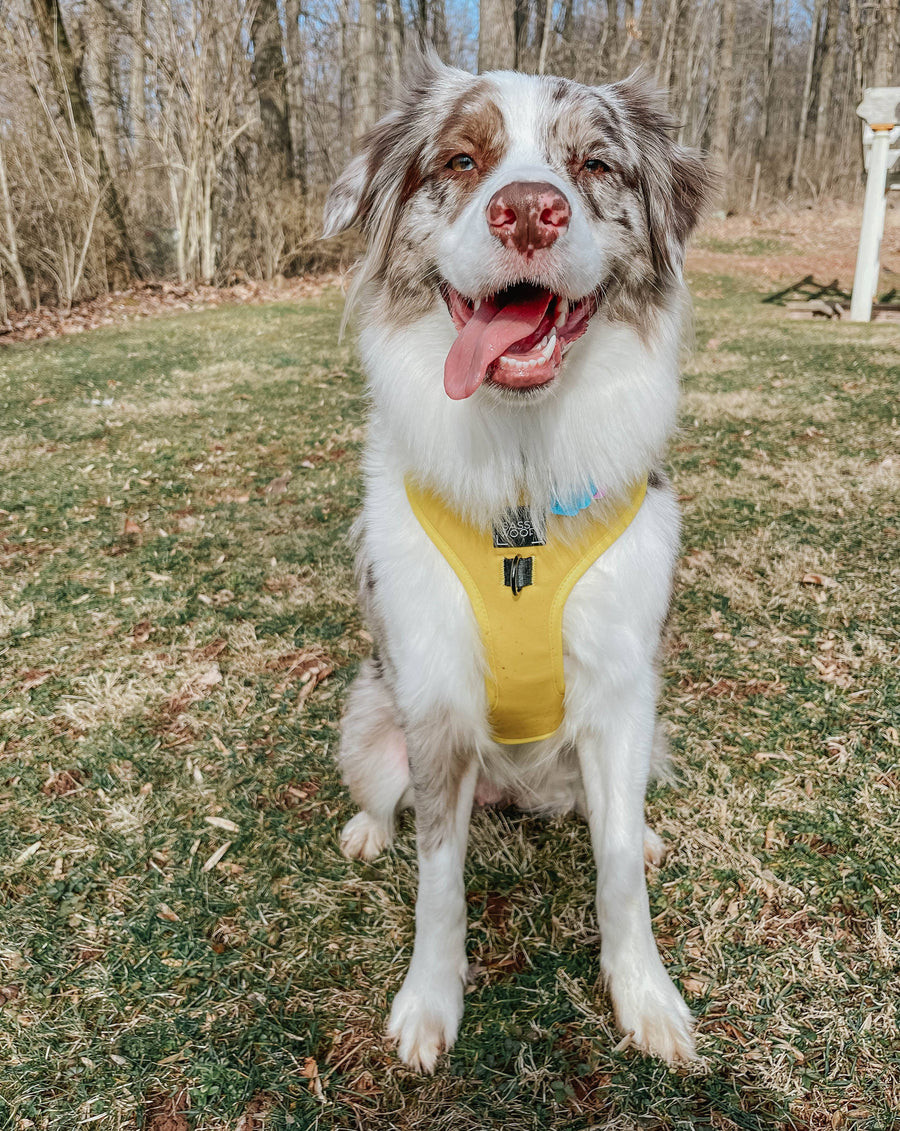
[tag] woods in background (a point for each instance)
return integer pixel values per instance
(194, 139)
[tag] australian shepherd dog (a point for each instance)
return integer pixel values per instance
(520, 308)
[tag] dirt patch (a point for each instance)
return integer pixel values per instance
(148, 299)
(784, 245)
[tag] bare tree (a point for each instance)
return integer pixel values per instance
(270, 79)
(195, 139)
(721, 131)
(496, 35)
(367, 69)
(72, 100)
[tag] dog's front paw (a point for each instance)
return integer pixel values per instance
(654, 847)
(425, 1019)
(654, 1017)
(364, 837)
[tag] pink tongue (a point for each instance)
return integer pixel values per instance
(486, 336)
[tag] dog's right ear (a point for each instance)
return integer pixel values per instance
(389, 152)
(346, 200)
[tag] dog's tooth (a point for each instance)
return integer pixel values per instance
(477, 303)
(549, 345)
(562, 312)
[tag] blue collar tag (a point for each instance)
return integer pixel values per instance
(573, 506)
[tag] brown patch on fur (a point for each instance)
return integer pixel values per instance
(657, 480)
(474, 126)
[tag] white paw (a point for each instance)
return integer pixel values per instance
(424, 1020)
(363, 837)
(653, 1016)
(654, 847)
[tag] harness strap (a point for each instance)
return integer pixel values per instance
(518, 597)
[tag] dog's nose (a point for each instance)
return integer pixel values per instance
(528, 215)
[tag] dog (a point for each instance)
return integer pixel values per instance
(521, 307)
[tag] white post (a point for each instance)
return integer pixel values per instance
(879, 110)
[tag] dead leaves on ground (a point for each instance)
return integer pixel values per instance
(193, 690)
(62, 783)
(309, 667)
(167, 1113)
(730, 688)
(145, 300)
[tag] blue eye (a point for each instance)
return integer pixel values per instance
(595, 165)
(461, 163)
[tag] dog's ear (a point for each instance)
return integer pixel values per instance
(345, 199)
(387, 153)
(676, 183)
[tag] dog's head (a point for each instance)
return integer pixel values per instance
(527, 205)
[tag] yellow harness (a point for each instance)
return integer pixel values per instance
(518, 590)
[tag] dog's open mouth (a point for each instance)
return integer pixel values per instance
(515, 338)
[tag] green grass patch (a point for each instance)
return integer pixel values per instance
(177, 629)
(745, 245)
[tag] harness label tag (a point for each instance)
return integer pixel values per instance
(517, 530)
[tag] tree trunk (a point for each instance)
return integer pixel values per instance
(99, 83)
(72, 99)
(11, 251)
(137, 101)
(546, 28)
(496, 35)
(269, 79)
(885, 43)
(627, 36)
(367, 68)
(804, 104)
(295, 100)
(724, 83)
(395, 36)
(666, 50)
(762, 133)
(439, 36)
(826, 83)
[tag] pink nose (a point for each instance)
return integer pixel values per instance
(528, 215)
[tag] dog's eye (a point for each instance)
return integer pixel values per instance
(461, 163)
(596, 166)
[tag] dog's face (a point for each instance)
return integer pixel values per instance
(527, 205)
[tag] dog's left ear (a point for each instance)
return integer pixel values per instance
(676, 182)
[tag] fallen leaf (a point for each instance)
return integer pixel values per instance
(216, 856)
(223, 823)
(32, 679)
(818, 579)
(61, 783)
(311, 1071)
(213, 649)
(28, 852)
(310, 667)
(8, 993)
(132, 527)
(164, 911)
(279, 485)
(260, 1106)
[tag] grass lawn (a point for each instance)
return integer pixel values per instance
(177, 630)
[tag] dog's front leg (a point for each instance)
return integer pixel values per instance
(427, 1010)
(614, 766)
